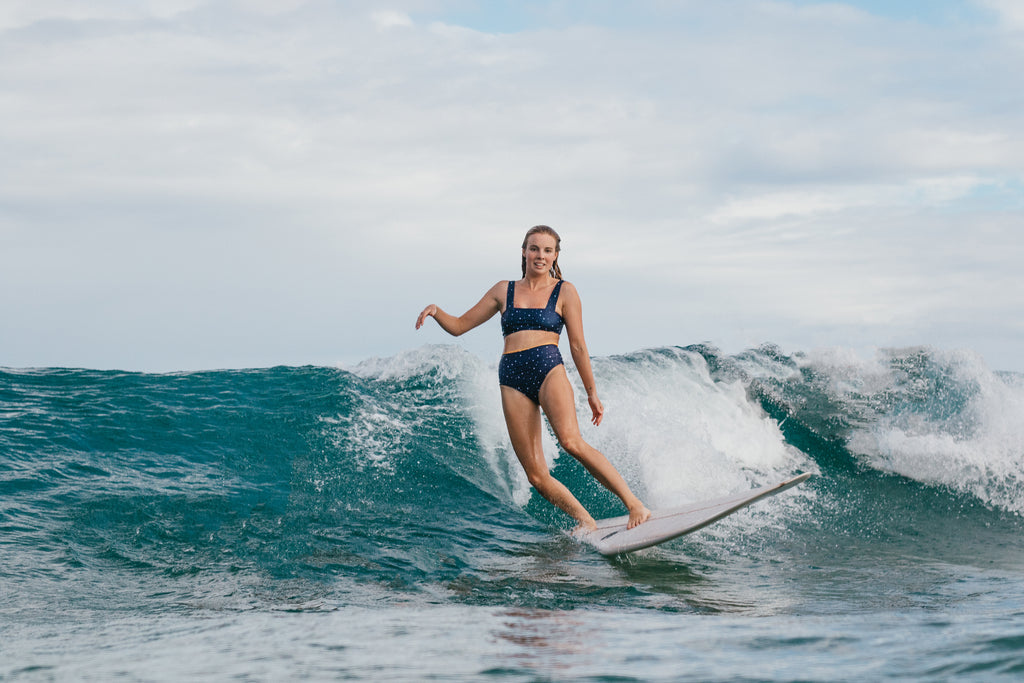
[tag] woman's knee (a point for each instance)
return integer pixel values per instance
(573, 445)
(539, 479)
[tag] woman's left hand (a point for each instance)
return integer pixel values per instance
(596, 408)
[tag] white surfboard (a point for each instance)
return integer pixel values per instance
(612, 537)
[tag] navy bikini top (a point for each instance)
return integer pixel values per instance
(518, 319)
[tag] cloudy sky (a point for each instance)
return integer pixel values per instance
(191, 184)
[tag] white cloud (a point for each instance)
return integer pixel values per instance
(822, 201)
(790, 163)
(385, 19)
(1010, 12)
(20, 13)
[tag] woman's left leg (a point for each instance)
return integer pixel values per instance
(556, 398)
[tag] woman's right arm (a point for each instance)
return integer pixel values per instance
(483, 311)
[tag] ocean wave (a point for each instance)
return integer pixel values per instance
(399, 469)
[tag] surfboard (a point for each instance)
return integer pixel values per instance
(612, 537)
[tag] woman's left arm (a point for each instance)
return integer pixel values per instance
(572, 314)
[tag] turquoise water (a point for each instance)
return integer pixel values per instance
(372, 523)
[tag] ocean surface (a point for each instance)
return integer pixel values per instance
(371, 523)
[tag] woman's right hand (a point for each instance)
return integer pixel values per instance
(429, 310)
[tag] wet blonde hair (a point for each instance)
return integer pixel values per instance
(556, 272)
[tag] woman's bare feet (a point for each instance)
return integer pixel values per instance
(585, 527)
(637, 516)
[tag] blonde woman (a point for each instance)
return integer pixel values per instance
(532, 375)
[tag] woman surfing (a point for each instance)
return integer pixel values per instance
(532, 376)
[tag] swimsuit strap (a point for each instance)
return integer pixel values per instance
(510, 299)
(553, 299)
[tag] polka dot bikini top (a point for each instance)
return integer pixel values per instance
(518, 319)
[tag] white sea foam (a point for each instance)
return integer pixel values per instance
(446, 361)
(683, 436)
(675, 434)
(938, 417)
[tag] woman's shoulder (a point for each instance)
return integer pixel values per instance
(499, 288)
(567, 295)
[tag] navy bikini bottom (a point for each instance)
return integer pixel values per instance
(525, 370)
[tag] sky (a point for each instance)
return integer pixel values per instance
(197, 184)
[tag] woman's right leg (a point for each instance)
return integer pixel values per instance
(556, 397)
(522, 416)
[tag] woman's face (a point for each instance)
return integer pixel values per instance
(540, 253)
